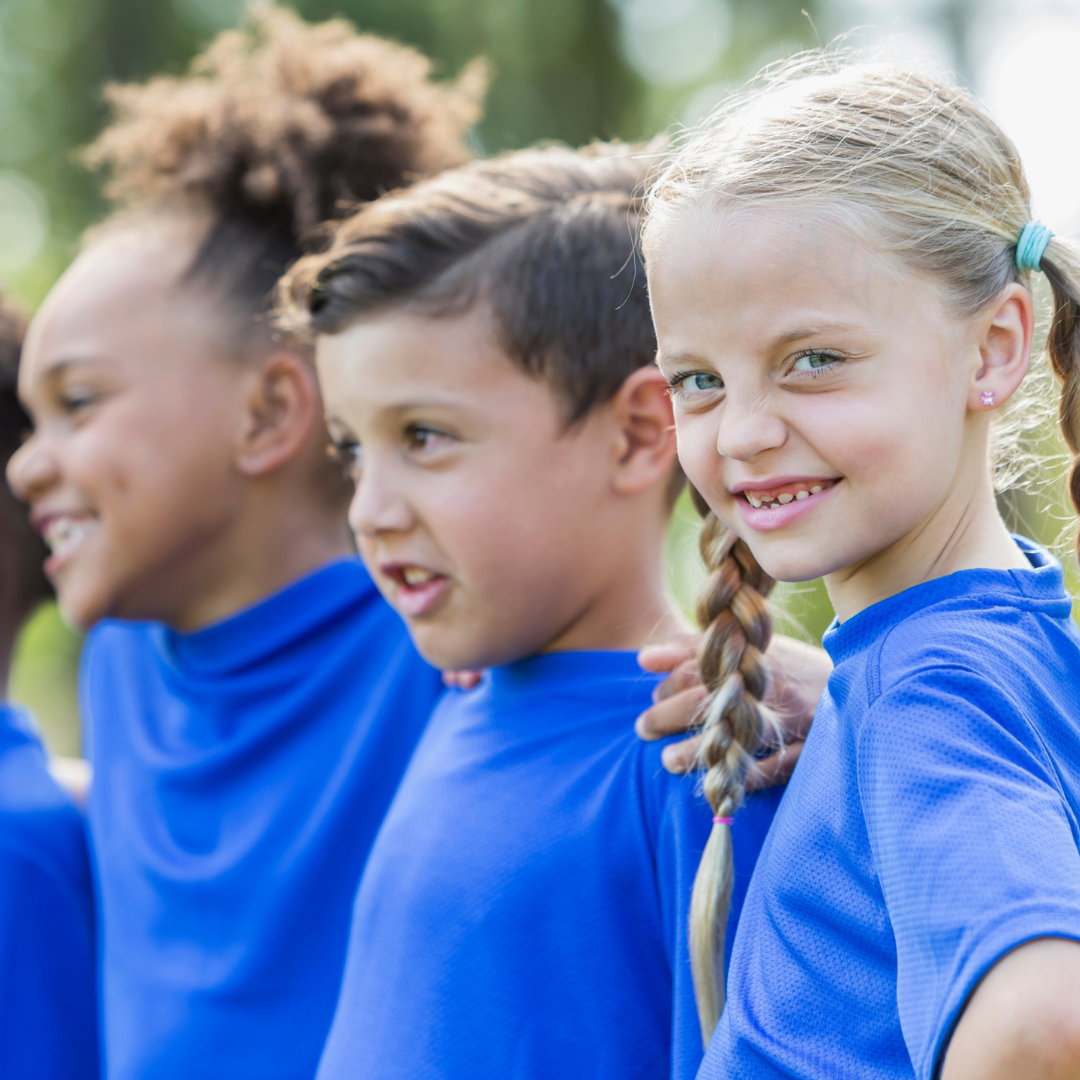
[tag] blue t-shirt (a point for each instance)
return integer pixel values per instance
(48, 1004)
(524, 912)
(240, 775)
(930, 827)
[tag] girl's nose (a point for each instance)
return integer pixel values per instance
(749, 427)
(31, 469)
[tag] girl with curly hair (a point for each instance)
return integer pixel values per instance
(250, 699)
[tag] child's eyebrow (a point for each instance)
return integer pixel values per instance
(801, 333)
(678, 358)
(58, 369)
(420, 404)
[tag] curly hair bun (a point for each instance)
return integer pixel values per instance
(285, 123)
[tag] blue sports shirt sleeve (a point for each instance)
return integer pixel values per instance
(47, 1013)
(975, 845)
(682, 833)
(681, 837)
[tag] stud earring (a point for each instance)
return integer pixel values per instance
(988, 397)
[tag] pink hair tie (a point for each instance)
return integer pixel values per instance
(722, 820)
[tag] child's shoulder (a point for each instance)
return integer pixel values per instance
(1002, 642)
(39, 825)
(984, 676)
(665, 796)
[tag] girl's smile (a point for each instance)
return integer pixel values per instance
(64, 532)
(772, 504)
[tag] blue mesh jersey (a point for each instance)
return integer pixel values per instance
(524, 912)
(48, 1002)
(240, 775)
(930, 827)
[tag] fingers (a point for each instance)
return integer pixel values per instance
(680, 757)
(661, 658)
(682, 678)
(772, 771)
(672, 715)
(73, 775)
(775, 770)
(799, 673)
(461, 680)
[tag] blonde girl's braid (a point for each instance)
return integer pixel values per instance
(735, 615)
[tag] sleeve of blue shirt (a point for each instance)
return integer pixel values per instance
(682, 830)
(975, 848)
(47, 1021)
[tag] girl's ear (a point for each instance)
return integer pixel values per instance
(283, 405)
(1004, 349)
(645, 426)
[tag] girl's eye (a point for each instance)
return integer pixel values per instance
(698, 382)
(815, 361)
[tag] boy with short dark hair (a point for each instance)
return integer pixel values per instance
(485, 349)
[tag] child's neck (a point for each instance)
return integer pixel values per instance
(965, 532)
(268, 552)
(635, 609)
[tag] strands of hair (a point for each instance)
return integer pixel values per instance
(916, 167)
(32, 585)
(734, 613)
(548, 238)
(14, 423)
(277, 127)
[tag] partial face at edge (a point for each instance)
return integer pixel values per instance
(128, 473)
(475, 511)
(820, 390)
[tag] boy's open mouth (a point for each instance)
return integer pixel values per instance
(418, 588)
(773, 498)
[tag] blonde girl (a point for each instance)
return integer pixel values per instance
(840, 267)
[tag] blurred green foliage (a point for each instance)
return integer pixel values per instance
(569, 70)
(44, 677)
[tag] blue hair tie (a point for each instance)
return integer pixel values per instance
(1031, 245)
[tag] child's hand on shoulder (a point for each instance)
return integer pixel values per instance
(799, 674)
(462, 680)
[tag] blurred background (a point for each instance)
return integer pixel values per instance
(564, 69)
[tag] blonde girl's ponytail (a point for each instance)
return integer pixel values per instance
(1061, 265)
(735, 616)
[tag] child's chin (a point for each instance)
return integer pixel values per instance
(79, 612)
(442, 653)
(787, 566)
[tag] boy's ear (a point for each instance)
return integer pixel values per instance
(645, 424)
(283, 404)
(1004, 349)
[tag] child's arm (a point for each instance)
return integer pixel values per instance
(1024, 1018)
(73, 775)
(47, 998)
(974, 850)
(799, 674)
